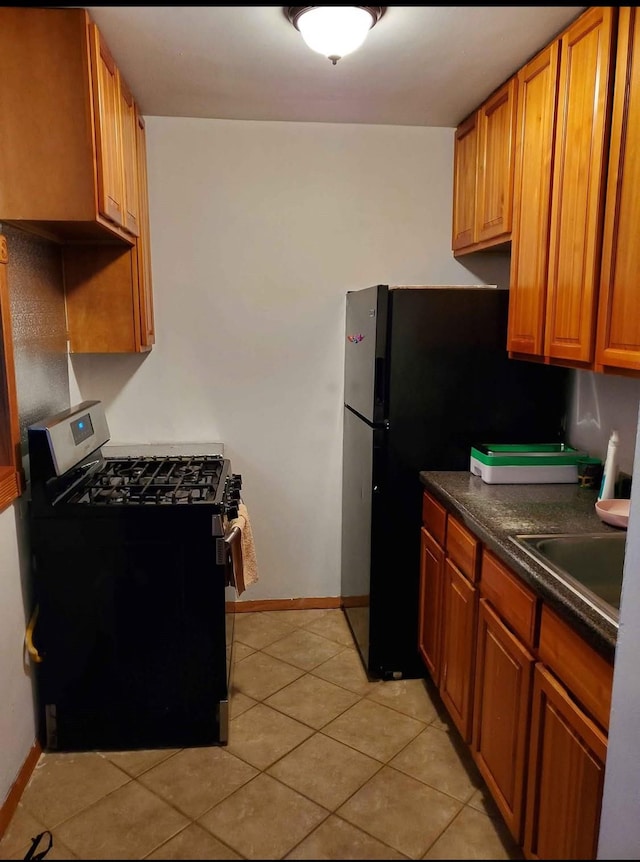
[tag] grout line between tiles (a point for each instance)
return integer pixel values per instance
(184, 828)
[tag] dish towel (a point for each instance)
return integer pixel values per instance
(243, 552)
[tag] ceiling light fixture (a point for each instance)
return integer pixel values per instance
(334, 31)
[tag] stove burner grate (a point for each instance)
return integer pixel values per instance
(152, 480)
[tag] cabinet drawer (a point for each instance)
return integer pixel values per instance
(434, 517)
(513, 600)
(584, 671)
(463, 548)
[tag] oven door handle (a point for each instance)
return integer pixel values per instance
(28, 636)
(234, 569)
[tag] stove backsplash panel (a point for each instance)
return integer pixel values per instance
(36, 290)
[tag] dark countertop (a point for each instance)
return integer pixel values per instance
(496, 512)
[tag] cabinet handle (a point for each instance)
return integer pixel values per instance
(28, 637)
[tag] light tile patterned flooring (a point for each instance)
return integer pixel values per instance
(321, 764)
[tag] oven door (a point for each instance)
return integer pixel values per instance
(131, 629)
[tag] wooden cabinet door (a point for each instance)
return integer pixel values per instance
(108, 129)
(618, 342)
(537, 94)
(143, 246)
(465, 159)
(430, 603)
(579, 184)
(129, 116)
(566, 775)
(458, 648)
(504, 671)
(108, 286)
(494, 190)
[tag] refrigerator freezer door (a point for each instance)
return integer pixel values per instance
(365, 343)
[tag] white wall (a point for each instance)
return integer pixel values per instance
(258, 230)
(17, 719)
(620, 824)
(600, 404)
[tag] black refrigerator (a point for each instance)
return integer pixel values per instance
(427, 374)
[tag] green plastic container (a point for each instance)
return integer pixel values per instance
(525, 463)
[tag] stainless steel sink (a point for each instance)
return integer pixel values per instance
(589, 564)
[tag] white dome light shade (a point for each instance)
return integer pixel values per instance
(335, 31)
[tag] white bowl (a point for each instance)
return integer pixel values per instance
(614, 512)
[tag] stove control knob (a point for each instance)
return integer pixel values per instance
(232, 512)
(233, 494)
(236, 479)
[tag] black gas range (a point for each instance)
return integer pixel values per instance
(131, 570)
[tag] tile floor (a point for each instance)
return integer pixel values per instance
(321, 764)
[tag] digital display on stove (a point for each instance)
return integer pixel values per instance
(81, 429)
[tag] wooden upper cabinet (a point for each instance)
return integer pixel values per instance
(483, 173)
(618, 339)
(116, 133)
(63, 167)
(577, 204)
(537, 94)
(494, 189)
(465, 160)
(131, 166)
(108, 285)
(143, 246)
(108, 129)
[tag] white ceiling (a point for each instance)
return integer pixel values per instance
(420, 65)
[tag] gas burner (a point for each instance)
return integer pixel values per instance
(186, 470)
(112, 481)
(134, 472)
(116, 494)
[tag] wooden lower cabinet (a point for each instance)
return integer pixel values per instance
(458, 647)
(430, 602)
(504, 673)
(566, 775)
(527, 693)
